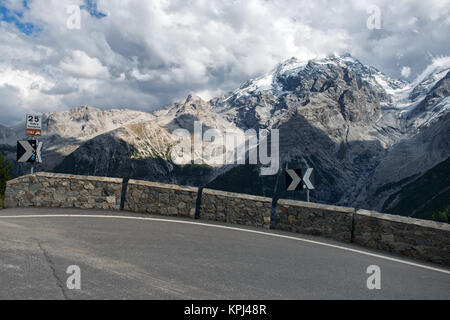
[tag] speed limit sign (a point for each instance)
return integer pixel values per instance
(34, 125)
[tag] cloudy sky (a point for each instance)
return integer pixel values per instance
(142, 54)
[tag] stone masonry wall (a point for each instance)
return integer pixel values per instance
(314, 219)
(420, 239)
(235, 208)
(66, 191)
(161, 199)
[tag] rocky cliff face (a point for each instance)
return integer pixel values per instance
(364, 133)
(143, 149)
(64, 132)
(5, 133)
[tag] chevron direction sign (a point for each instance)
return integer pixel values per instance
(296, 181)
(29, 151)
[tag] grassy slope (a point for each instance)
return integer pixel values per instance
(424, 196)
(241, 179)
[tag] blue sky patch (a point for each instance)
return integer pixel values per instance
(15, 17)
(91, 7)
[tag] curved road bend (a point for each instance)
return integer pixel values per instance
(129, 256)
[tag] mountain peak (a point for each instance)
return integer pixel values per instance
(77, 110)
(293, 67)
(85, 108)
(193, 98)
(296, 63)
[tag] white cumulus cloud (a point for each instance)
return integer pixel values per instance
(144, 54)
(81, 65)
(406, 72)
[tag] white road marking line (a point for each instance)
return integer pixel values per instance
(235, 229)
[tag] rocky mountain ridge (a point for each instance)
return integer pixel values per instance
(367, 135)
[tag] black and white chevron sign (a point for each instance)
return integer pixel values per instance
(295, 181)
(29, 151)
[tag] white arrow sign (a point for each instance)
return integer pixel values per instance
(38, 152)
(296, 179)
(29, 151)
(306, 178)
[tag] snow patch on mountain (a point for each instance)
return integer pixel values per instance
(441, 108)
(293, 67)
(435, 72)
(269, 81)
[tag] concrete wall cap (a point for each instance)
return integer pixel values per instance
(406, 220)
(312, 205)
(65, 176)
(236, 195)
(162, 185)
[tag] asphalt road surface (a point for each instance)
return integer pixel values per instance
(128, 256)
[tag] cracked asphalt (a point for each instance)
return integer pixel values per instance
(157, 259)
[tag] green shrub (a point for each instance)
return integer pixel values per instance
(443, 216)
(5, 167)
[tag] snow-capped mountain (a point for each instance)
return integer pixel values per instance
(363, 131)
(366, 135)
(295, 76)
(280, 82)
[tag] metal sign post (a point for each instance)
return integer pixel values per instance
(30, 150)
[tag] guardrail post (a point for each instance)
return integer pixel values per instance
(124, 193)
(198, 204)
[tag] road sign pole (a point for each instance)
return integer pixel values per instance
(307, 195)
(32, 168)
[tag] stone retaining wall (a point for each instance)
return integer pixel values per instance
(65, 191)
(314, 219)
(420, 239)
(162, 199)
(235, 208)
